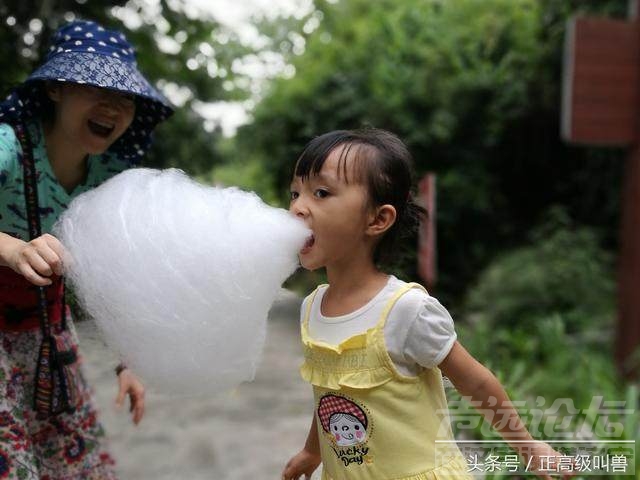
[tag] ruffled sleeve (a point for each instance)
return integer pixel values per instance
(431, 334)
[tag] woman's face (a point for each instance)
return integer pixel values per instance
(90, 118)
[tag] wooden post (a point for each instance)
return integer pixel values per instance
(601, 106)
(628, 329)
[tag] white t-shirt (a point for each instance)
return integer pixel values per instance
(419, 331)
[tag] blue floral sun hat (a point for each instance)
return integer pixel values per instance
(85, 53)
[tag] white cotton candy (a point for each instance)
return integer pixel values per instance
(179, 276)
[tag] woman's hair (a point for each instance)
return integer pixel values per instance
(383, 164)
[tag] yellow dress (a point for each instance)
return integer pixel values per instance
(373, 422)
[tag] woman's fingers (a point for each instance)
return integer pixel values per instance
(137, 405)
(50, 250)
(38, 262)
(55, 252)
(27, 271)
(51, 257)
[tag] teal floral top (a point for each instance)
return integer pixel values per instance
(53, 199)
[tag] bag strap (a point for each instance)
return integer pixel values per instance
(51, 394)
(33, 216)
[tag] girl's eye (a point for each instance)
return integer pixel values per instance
(294, 195)
(320, 193)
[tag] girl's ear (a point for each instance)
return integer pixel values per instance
(383, 219)
(53, 90)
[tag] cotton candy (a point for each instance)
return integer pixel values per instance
(179, 276)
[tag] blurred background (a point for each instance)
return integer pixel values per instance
(527, 225)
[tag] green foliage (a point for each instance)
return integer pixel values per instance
(182, 142)
(541, 317)
(249, 175)
(563, 272)
(434, 63)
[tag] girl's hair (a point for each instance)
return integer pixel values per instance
(383, 164)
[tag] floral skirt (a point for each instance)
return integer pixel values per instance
(65, 447)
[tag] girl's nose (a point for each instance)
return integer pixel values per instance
(298, 208)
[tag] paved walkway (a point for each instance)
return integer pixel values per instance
(247, 434)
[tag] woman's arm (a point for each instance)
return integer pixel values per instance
(130, 384)
(474, 380)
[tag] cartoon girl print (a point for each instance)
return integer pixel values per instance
(344, 420)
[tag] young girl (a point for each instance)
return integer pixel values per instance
(81, 117)
(376, 347)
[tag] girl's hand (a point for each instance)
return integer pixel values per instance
(129, 383)
(35, 260)
(304, 463)
(543, 460)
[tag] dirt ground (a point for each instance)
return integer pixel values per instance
(248, 433)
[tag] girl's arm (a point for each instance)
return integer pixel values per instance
(474, 380)
(306, 460)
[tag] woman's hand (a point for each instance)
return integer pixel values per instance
(35, 260)
(130, 384)
(304, 463)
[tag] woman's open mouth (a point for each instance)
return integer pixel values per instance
(101, 128)
(308, 245)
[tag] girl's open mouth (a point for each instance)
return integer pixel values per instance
(100, 128)
(308, 245)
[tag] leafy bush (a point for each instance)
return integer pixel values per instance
(563, 271)
(541, 318)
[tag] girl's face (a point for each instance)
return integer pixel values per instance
(336, 211)
(90, 118)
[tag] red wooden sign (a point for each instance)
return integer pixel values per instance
(601, 75)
